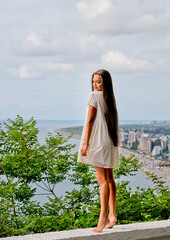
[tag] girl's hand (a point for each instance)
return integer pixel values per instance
(84, 149)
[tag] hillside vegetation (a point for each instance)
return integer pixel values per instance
(23, 161)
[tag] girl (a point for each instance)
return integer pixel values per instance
(99, 143)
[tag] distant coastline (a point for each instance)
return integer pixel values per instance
(163, 172)
(66, 133)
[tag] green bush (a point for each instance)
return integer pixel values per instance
(23, 161)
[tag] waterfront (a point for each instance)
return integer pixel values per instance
(139, 180)
(150, 165)
(53, 126)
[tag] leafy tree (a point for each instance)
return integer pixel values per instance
(156, 143)
(24, 161)
(18, 151)
(135, 145)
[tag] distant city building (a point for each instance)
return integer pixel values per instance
(169, 148)
(165, 122)
(121, 137)
(126, 135)
(158, 135)
(145, 143)
(163, 144)
(163, 138)
(145, 135)
(156, 151)
(131, 137)
(154, 139)
(139, 133)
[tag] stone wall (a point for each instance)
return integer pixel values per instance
(156, 230)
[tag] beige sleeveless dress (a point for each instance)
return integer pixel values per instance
(101, 152)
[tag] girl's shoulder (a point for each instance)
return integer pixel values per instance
(94, 98)
(96, 93)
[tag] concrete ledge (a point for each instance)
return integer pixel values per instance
(156, 230)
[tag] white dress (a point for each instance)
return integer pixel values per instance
(101, 151)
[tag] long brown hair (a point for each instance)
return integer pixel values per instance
(111, 113)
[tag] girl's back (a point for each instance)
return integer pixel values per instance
(101, 151)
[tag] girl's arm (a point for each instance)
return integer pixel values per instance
(88, 128)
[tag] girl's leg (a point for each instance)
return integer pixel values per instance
(104, 198)
(112, 199)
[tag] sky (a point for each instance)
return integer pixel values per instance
(49, 50)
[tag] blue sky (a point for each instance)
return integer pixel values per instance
(49, 49)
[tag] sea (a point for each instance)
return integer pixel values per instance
(46, 126)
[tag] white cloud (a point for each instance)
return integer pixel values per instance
(166, 44)
(34, 40)
(119, 17)
(91, 9)
(62, 50)
(121, 63)
(25, 72)
(52, 66)
(40, 68)
(39, 45)
(90, 45)
(147, 22)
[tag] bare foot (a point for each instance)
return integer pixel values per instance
(101, 224)
(111, 222)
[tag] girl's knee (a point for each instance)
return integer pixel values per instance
(110, 177)
(101, 179)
